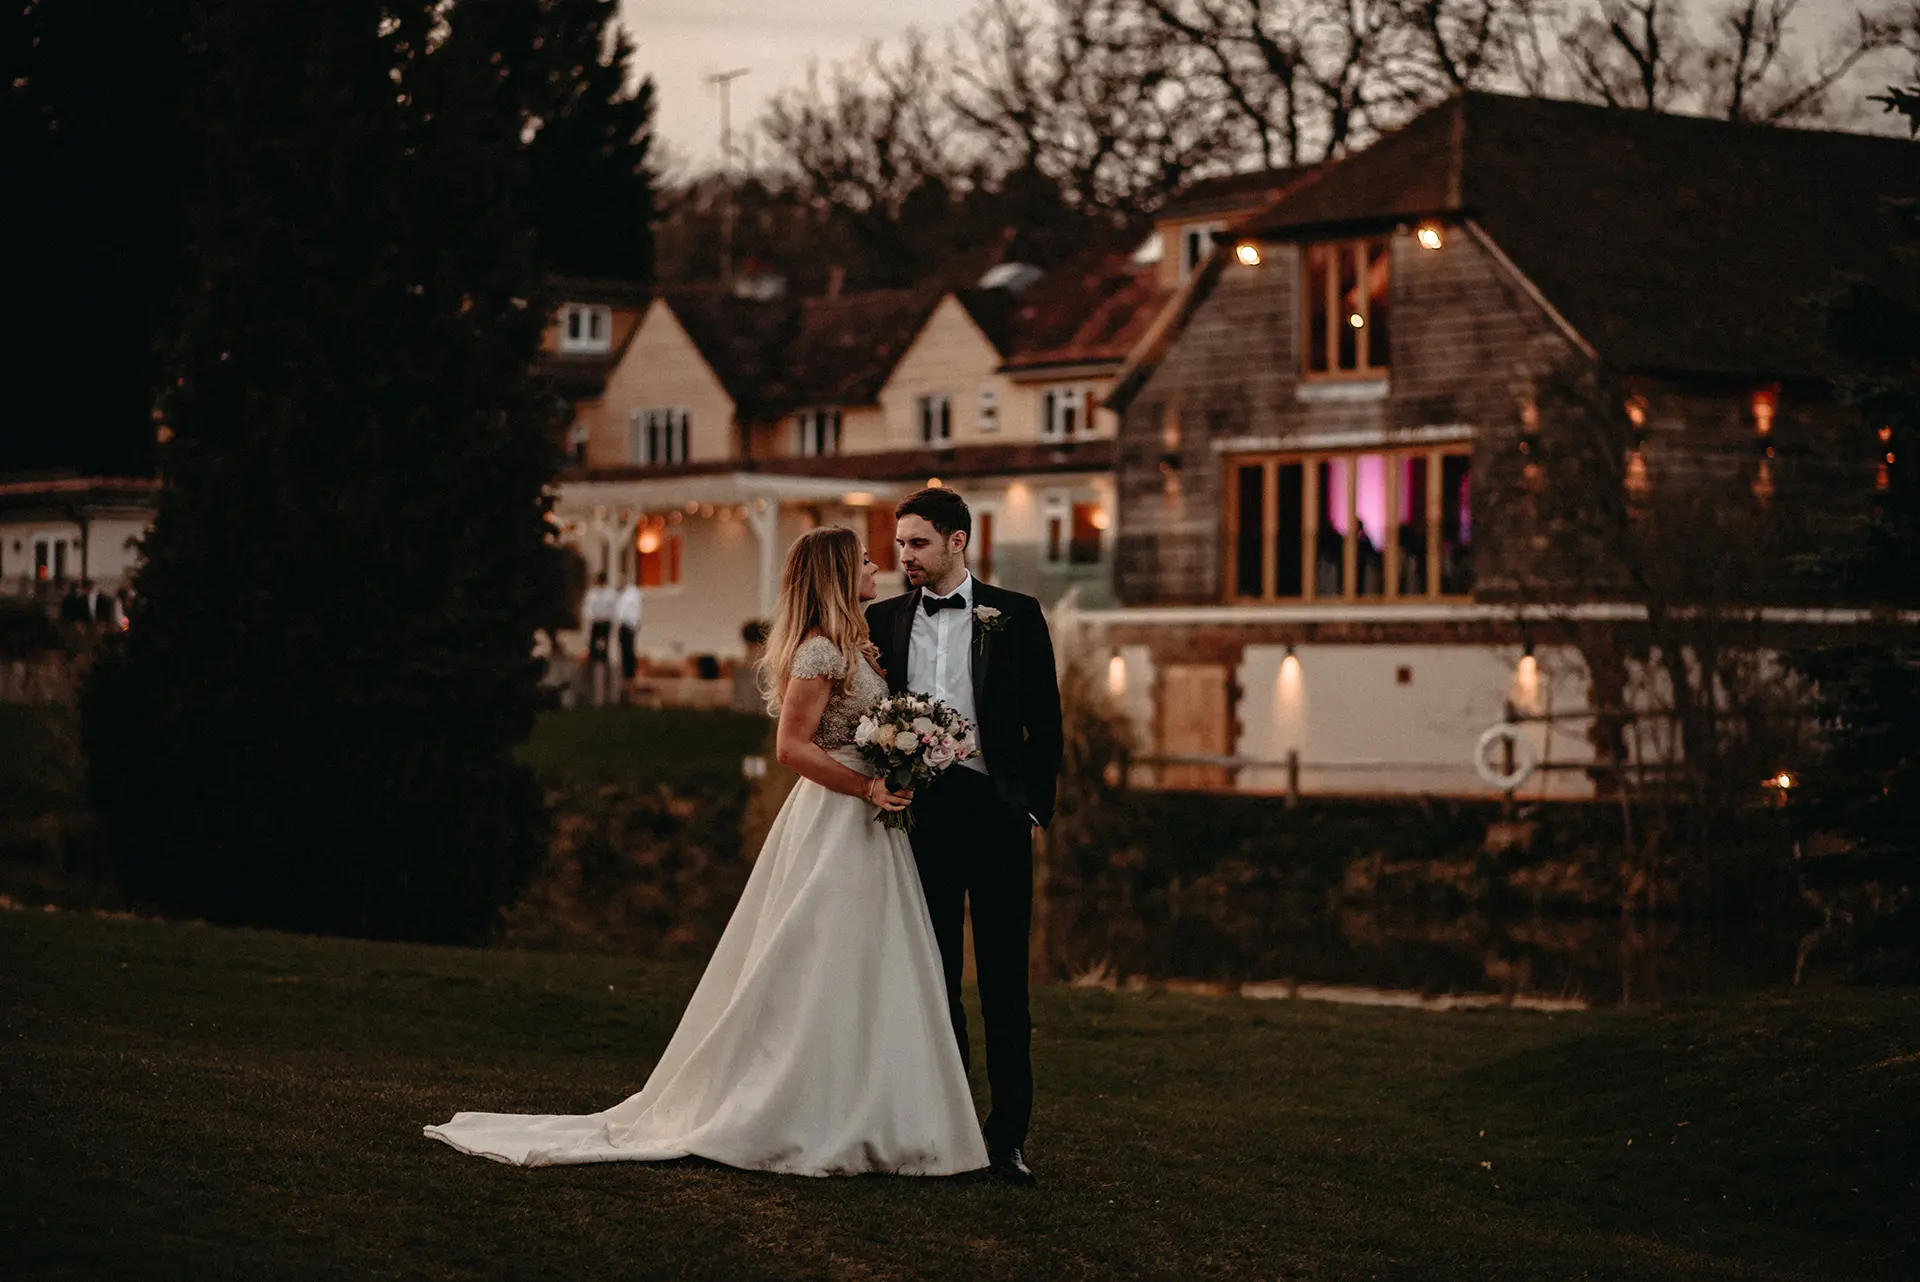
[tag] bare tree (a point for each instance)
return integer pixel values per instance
(873, 136)
(1632, 53)
(1079, 91)
(1754, 73)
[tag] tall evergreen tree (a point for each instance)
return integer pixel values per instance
(1867, 785)
(588, 126)
(90, 127)
(311, 725)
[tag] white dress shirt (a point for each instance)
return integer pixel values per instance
(940, 658)
(599, 608)
(626, 607)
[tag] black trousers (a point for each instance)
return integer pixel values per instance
(971, 850)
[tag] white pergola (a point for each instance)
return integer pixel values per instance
(611, 510)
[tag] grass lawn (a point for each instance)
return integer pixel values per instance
(182, 1101)
(627, 745)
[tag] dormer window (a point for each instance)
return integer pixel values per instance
(586, 327)
(816, 433)
(1345, 296)
(1196, 243)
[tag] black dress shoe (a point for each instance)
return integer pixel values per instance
(1011, 1165)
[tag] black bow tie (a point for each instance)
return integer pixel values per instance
(934, 604)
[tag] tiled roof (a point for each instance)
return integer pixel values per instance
(596, 289)
(1229, 194)
(844, 348)
(1671, 243)
(1090, 309)
(739, 338)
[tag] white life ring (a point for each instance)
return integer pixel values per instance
(1525, 756)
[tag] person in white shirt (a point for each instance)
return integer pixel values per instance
(599, 611)
(626, 618)
(985, 652)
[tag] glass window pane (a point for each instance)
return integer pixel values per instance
(1316, 288)
(1378, 303)
(1370, 525)
(1250, 506)
(1456, 524)
(1410, 509)
(1330, 536)
(1349, 306)
(1290, 532)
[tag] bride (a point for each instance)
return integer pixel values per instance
(818, 1041)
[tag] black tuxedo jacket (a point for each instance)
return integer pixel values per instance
(1016, 692)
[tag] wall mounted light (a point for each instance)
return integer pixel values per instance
(1248, 253)
(1428, 234)
(1117, 675)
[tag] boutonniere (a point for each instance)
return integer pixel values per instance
(990, 618)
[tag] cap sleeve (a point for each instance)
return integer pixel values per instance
(819, 657)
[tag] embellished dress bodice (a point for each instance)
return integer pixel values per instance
(818, 657)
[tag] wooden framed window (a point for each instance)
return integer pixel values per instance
(658, 437)
(1083, 546)
(1346, 309)
(816, 433)
(1391, 524)
(880, 531)
(657, 556)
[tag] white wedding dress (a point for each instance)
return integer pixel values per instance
(818, 1040)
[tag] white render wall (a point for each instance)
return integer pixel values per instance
(1346, 707)
(112, 550)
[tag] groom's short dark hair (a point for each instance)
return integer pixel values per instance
(941, 508)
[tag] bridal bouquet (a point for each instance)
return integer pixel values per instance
(912, 738)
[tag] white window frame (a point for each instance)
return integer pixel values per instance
(936, 418)
(1066, 413)
(816, 432)
(1196, 244)
(989, 408)
(660, 437)
(1055, 505)
(578, 437)
(586, 327)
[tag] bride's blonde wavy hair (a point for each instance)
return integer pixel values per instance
(819, 593)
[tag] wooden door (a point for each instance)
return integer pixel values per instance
(1194, 716)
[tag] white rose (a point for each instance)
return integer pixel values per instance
(906, 741)
(864, 732)
(884, 736)
(923, 726)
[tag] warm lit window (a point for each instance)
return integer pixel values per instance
(657, 550)
(659, 437)
(816, 433)
(936, 419)
(1395, 524)
(880, 532)
(1064, 413)
(1345, 294)
(586, 327)
(1089, 520)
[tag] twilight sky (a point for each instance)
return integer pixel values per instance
(681, 42)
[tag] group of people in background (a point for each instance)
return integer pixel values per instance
(612, 616)
(87, 605)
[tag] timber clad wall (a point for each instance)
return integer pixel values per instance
(1466, 344)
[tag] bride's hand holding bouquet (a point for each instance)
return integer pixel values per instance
(912, 739)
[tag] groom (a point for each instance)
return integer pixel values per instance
(985, 652)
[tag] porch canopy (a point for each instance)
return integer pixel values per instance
(613, 505)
